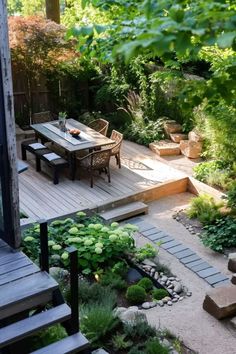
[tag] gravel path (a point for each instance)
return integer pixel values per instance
(187, 320)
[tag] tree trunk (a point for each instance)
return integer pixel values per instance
(53, 10)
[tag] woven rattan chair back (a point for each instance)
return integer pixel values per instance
(100, 125)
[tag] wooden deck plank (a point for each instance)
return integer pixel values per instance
(14, 265)
(18, 274)
(10, 257)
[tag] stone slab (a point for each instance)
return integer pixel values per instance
(185, 253)
(194, 264)
(165, 148)
(166, 240)
(201, 266)
(221, 302)
(221, 283)
(190, 259)
(171, 244)
(176, 249)
(213, 279)
(207, 272)
(134, 220)
(158, 236)
(150, 232)
(144, 226)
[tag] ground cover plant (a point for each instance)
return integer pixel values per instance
(204, 208)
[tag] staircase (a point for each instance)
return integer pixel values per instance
(31, 301)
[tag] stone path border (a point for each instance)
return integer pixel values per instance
(188, 257)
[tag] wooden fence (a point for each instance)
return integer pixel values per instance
(43, 99)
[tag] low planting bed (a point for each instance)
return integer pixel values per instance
(116, 281)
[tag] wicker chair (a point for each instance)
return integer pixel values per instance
(96, 161)
(115, 148)
(100, 125)
(42, 117)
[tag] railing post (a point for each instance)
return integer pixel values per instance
(74, 288)
(44, 256)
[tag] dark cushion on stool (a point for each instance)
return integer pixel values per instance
(26, 145)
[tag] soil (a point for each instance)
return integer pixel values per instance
(193, 225)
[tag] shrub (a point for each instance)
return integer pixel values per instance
(221, 234)
(159, 294)
(136, 350)
(96, 293)
(153, 346)
(147, 251)
(119, 342)
(46, 337)
(113, 280)
(135, 294)
(97, 244)
(204, 170)
(97, 321)
(146, 283)
(204, 209)
(139, 329)
(231, 196)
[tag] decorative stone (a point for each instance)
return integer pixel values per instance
(175, 299)
(233, 279)
(232, 262)
(164, 278)
(172, 278)
(99, 351)
(194, 136)
(119, 310)
(146, 305)
(191, 149)
(189, 293)
(165, 148)
(160, 303)
(176, 137)
(153, 304)
(169, 303)
(129, 315)
(147, 262)
(178, 287)
(181, 298)
(221, 302)
(172, 126)
(170, 291)
(156, 275)
(165, 299)
(171, 286)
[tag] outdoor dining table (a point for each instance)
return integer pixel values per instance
(88, 139)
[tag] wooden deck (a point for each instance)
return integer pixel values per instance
(141, 170)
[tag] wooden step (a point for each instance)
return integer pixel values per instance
(125, 211)
(25, 293)
(72, 344)
(24, 328)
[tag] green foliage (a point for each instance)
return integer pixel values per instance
(139, 329)
(119, 342)
(97, 321)
(96, 293)
(97, 244)
(221, 234)
(153, 346)
(231, 196)
(135, 294)
(147, 251)
(159, 294)
(115, 281)
(204, 208)
(136, 350)
(46, 337)
(146, 283)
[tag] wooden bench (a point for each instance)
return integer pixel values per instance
(56, 164)
(31, 146)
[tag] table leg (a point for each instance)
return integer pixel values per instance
(72, 165)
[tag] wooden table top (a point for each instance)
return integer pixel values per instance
(97, 139)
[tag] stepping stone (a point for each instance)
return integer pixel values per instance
(150, 232)
(184, 253)
(165, 148)
(221, 302)
(213, 279)
(176, 249)
(194, 264)
(221, 283)
(166, 240)
(207, 272)
(135, 220)
(201, 266)
(158, 236)
(170, 244)
(190, 259)
(144, 226)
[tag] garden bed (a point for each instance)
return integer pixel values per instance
(116, 281)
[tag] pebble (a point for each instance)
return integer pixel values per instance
(164, 278)
(153, 303)
(189, 293)
(160, 303)
(165, 300)
(177, 218)
(169, 303)
(168, 282)
(156, 275)
(170, 291)
(175, 299)
(172, 278)
(181, 298)
(171, 286)
(178, 288)
(176, 296)
(161, 282)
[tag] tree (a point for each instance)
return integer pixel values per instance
(53, 10)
